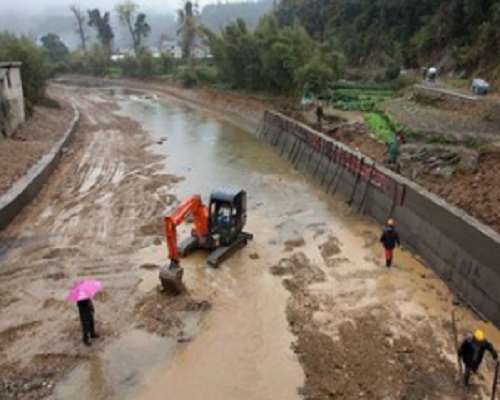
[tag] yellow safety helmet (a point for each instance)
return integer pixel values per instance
(391, 222)
(479, 335)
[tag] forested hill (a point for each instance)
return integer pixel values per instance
(463, 35)
(217, 16)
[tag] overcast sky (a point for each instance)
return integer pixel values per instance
(56, 6)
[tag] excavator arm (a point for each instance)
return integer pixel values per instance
(191, 206)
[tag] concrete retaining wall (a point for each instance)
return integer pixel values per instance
(26, 188)
(11, 89)
(459, 248)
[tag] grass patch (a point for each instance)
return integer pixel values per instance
(357, 98)
(115, 72)
(380, 126)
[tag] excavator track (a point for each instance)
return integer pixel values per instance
(221, 253)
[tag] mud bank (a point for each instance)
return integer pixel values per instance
(459, 248)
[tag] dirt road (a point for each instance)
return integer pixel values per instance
(312, 277)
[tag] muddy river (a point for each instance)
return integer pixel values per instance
(312, 275)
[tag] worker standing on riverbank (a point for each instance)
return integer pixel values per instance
(471, 352)
(393, 150)
(319, 114)
(389, 239)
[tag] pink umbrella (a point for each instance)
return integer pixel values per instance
(83, 290)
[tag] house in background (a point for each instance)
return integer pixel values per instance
(200, 52)
(11, 98)
(172, 48)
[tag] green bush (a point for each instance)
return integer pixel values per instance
(392, 72)
(115, 72)
(165, 65)
(316, 74)
(93, 62)
(206, 74)
(129, 66)
(187, 75)
(146, 64)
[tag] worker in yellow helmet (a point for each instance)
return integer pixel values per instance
(471, 353)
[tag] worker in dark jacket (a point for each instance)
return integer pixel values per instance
(471, 352)
(389, 240)
(319, 114)
(86, 309)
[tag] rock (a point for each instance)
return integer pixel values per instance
(295, 242)
(254, 256)
(149, 266)
(469, 161)
(444, 172)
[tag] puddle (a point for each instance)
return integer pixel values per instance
(119, 369)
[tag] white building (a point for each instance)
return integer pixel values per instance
(171, 48)
(200, 52)
(11, 98)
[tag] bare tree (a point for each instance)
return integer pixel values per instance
(80, 24)
(128, 12)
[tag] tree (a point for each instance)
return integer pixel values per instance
(57, 51)
(103, 28)
(126, 12)
(140, 29)
(273, 57)
(80, 25)
(188, 28)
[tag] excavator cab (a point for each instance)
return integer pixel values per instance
(227, 215)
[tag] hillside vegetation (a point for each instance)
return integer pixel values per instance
(461, 35)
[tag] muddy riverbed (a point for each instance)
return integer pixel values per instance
(307, 310)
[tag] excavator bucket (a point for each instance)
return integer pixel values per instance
(171, 278)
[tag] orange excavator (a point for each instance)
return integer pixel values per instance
(217, 228)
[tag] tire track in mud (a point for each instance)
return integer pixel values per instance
(102, 204)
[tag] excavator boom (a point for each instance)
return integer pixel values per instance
(198, 210)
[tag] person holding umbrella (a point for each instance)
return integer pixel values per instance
(82, 293)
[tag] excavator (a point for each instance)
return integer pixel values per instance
(217, 228)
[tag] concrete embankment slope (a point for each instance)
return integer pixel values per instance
(459, 248)
(27, 187)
